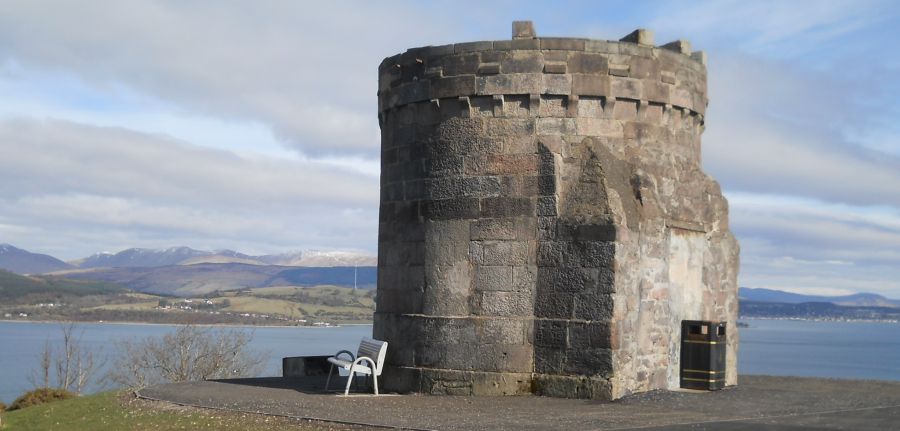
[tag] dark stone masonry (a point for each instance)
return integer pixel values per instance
(545, 224)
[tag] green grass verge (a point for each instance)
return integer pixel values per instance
(115, 411)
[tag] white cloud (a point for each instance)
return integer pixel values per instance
(68, 157)
(252, 126)
(805, 245)
(120, 185)
(771, 28)
(306, 71)
(772, 128)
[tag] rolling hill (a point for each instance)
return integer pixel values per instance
(139, 258)
(147, 257)
(855, 300)
(17, 288)
(206, 278)
(51, 298)
(817, 311)
(24, 262)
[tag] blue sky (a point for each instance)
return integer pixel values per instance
(252, 126)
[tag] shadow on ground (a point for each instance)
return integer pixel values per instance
(759, 402)
(313, 385)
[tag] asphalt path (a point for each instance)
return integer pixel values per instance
(757, 403)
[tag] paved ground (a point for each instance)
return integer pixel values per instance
(759, 402)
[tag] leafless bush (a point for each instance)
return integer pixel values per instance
(189, 353)
(69, 366)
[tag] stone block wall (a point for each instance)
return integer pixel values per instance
(545, 224)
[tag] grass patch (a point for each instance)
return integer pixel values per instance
(252, 304)
(147, 305)
(117, 411)
(331, 303)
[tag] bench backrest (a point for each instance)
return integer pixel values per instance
(375, 349)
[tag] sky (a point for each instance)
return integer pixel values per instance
(252, 125)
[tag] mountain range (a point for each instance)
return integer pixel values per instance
(205, 278)
(749, 294)
(184, 271)
(24, 262)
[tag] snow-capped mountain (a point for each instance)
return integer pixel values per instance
(25, 262)
(141, 257)
(144, 257)
(222, 256)
(321, 258)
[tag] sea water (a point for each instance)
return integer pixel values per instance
(855, 350)
(852, 350)
(22, 343)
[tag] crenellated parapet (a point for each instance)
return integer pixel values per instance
(632, 69)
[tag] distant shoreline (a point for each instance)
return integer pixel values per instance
(822, 320)
(181, 324)
(247, 325)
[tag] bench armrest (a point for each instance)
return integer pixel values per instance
(362, 359)
(352, 356)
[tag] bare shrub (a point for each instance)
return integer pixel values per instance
(40, 396)
(69, 366)
(189, 353)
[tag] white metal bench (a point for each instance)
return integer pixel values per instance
(368, 361)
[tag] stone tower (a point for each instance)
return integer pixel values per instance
(545, 224)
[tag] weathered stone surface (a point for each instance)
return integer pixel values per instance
(510, 331)
(555, 67)
(507, 303)
(588, 63)
(452, 85)
(552, 305)
(523, 62)
(551, 333)
(489, 68)
(545, 224)
(640, 36)
(523, 30)
(518, 83)
(453, 187)
(590, 85)
(546, 206)
(573, 387)
(507, 207)
(593, 306)
(502, 164)
(448, 209)
(680, 46)
(497, 229)
(493, 278)
(588, 335)
(505, 253)
(562, 43)
(473, 46)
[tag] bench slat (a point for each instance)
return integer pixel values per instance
(369, 347)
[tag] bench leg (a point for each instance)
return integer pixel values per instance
(349, 380)
(375, 381)
(328, 380)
